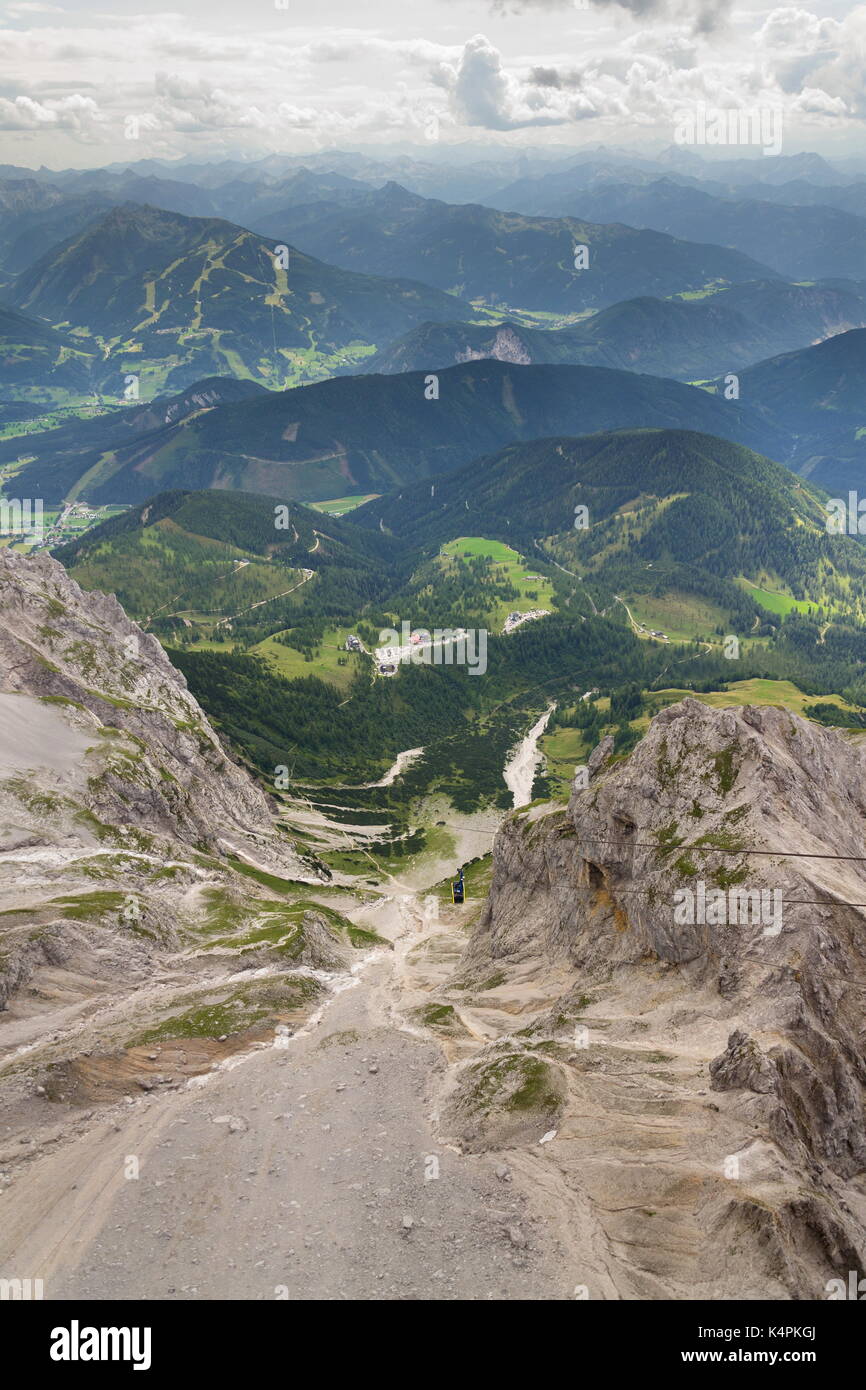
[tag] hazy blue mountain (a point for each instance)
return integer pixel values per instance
(505, 258)
(799, 242)
(691, 339)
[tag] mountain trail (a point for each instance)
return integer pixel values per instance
(310, 1171)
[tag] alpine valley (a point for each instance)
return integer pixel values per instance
(432, 712)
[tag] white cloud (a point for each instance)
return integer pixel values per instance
(73, 113)
(259, 83)
(797, 31)
(818, 63)
(702, 16)
(483, 93)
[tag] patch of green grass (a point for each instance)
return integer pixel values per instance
(776, 602)
(728, 878)
(535, 1091)
(564, 750)
(235, 1013)
(493, 983)
(361, 939)
(277, 885)
(261, 922)
(721, 839)
(518, 1082)
(668, 840)
(782, 694)
(682, 617)
(82, 906)
(440, 1017)
(330, 660)
(507, 566)
(726, 773)
(338, 506)
(279, 928)
(100, 907)
(223, 914)
(41, 803)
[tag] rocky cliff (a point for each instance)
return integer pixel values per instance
(81, 654)
(146, 890)
(697, 918)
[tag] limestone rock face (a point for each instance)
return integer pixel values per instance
(654, 921)
(742, 1067)
(505, 347)
(122, 817)
(83, 654)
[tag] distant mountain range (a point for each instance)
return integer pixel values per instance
(689, 338)
(143, 303)
(797, 241)
(505, 258)
(820, 393)
(36, 216)
(800, 178)
(40, 208)
(358, 434)
(178, 297)
(191, 297)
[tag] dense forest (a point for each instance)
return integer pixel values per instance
(668, 510)
(465, 722)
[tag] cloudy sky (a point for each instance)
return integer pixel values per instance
(226, 77)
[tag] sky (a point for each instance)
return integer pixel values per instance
(81, 86)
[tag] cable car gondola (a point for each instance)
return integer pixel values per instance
(457, 889)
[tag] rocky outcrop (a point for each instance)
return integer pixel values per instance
(699, 899)
(505, 345)
(168, 772)
(742, 1067)
(124, 823)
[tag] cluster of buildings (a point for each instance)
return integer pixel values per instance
(515, 620)
(653, 632)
